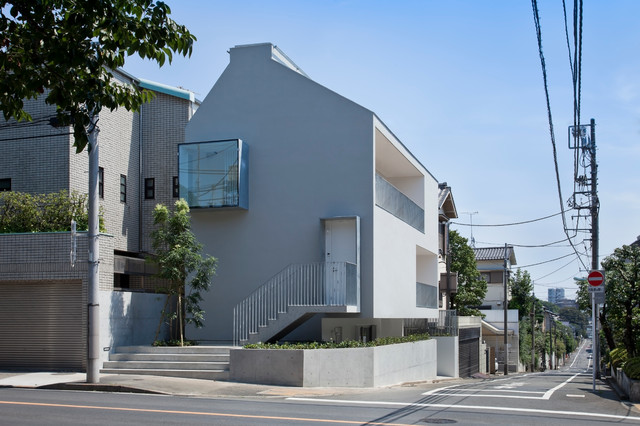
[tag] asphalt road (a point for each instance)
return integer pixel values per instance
(559, 397)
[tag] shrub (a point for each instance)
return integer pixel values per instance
(21, 212)
(632, 368)
(381, 341)
(618, 357)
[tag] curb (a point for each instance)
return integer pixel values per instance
(99, 387)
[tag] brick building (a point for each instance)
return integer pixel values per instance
(138, 169)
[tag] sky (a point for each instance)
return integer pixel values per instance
(460, 84)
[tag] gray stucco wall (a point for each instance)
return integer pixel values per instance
(311, 157)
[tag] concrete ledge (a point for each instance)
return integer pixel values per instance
(355, 367)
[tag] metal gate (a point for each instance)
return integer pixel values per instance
(469, 351)
(43, 325)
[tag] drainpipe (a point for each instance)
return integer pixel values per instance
(140, 179)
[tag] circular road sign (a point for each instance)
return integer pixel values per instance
(595, 278)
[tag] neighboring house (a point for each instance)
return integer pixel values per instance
(43, 298)
(491, 263)
(324, 224)
(446, 211)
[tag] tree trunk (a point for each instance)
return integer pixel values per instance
(162, 316)
(180, 313)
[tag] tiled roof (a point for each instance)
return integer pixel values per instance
(494, 253)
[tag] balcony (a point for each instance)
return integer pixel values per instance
(390, 199)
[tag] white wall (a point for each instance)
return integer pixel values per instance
(310, 157)
(129, 318)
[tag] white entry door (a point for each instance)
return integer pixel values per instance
(341, 244)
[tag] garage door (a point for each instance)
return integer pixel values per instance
(42, 325)
(469, 351)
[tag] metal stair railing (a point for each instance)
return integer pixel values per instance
(310, 284)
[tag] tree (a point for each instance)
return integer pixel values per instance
(521, 293)
(620, 318)
(178, 256)
(471, 287)
(66, 50)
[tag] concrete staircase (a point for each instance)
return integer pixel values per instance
(193, 362)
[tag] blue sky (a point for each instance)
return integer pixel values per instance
(460, 84)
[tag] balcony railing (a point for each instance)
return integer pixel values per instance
(313, 284)
(389, 198)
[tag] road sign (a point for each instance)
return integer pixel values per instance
(596, 281)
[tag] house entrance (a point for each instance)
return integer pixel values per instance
(341, 244)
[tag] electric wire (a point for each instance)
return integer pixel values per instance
(547, 261)
(536, 18)
(530, 245)
(560, 268)
(508, 224)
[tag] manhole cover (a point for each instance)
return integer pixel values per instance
(439, 421)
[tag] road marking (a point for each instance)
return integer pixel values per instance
(470, 407)
(574, 396)
(201, 413)
(584, 342)
(550, 392)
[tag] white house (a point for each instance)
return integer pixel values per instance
(324, 224)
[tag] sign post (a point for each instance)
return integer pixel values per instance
(596, 285)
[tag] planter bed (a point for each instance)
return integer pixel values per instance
(353, 367)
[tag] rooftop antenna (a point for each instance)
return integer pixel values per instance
(473, 241)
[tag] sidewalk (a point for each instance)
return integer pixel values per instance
(161, 385)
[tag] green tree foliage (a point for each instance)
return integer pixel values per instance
(21, 212)
(178, 256)
(521, 293)
(577, 318)
(621, 316)
(471, 287)
(65, 50)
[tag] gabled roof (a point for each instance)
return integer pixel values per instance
(446, 206)
(494, 253)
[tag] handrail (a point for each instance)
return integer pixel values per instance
(310, 284)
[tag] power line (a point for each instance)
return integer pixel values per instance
(562, 267)
(508, 224)
(532, 245)
(536, 18)
(546, 261)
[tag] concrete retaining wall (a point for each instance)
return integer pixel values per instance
(356, 367)
(630, 387)
(448, 353)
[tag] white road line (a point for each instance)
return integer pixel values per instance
(490, 396)
(584, 342)
(471, 407)
(550, 392)
(574, 396)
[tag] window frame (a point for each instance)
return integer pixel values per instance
(123, 188)
(3, 186)
(101, 183)
(149, 188)
(176, 187)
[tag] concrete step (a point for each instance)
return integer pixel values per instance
(188, 374)
(130, 356)
(175, 349)
(199, 362)
(170, 365)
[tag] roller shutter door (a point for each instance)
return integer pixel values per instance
(42, 325)
(469, 351)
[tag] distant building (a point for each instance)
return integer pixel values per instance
(554, 295)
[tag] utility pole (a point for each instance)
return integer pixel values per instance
(585, 197)
(93, 323)
(595, 241)
(533, 331)
(505, 280)
(472, 241)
